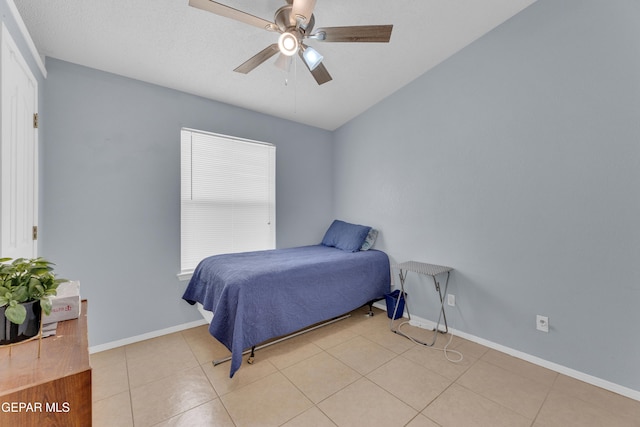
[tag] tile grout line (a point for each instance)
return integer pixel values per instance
(533, 422)
(126, 365)
(325, 351)
(492, 400)
(208, 380)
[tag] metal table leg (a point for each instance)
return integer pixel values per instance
(441, 315)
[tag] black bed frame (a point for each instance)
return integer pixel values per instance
(253, 349)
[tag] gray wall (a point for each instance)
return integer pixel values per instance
(111, 191)
(517, 162)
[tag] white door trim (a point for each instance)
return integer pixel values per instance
(27, 37)
(18, 152)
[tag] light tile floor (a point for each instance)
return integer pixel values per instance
(352, 373)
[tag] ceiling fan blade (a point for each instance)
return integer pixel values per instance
(363, 33)
(229, 12)
(319, 73)
(258, 59)
(302, 9)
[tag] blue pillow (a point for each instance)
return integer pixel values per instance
(345, 236)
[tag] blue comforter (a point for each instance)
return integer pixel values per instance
(260, 295)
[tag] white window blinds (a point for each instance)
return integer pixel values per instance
(227, 196)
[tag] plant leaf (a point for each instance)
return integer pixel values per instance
(16, 314)
(21, 294)
(39, 270)
(46, 305)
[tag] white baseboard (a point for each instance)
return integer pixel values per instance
(421, 323)
(148, 335)
(598, 382)
(206, 315)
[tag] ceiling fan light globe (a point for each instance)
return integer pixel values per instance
(288, 44)
(312, 58)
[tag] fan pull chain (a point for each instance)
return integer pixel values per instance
(293, 65)
(295, 87)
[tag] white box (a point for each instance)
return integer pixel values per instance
(66, 304)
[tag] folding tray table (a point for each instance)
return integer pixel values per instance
(428, 270)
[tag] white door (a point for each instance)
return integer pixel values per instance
(18, 153)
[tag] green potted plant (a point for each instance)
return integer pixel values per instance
(26, 286)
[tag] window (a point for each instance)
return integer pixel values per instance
(227, 196)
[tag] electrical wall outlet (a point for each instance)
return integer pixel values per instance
(451, 300)
(542, 323)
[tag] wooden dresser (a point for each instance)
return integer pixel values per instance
(53, 390)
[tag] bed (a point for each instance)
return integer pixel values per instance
(257, 296)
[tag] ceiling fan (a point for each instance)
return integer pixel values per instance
(294, 21)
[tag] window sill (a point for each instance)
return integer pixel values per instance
(184, 276)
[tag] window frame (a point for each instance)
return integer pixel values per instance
(265, 164)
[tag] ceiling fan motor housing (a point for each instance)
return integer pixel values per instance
(291, 38)
(282, 19)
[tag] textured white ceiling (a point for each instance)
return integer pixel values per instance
(169, 43)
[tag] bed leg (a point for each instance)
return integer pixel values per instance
(370, 304)
(370, 313)
(252, 355)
